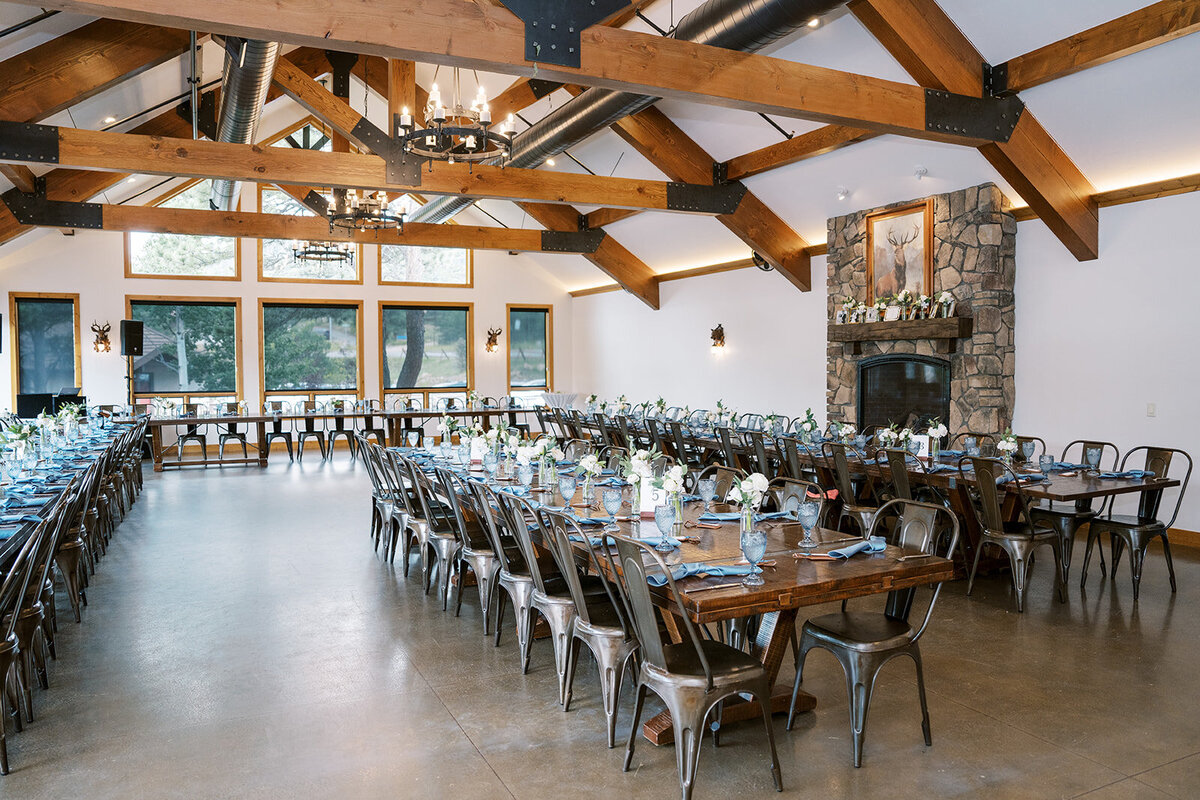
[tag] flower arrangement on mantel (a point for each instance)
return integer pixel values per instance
(911, 306)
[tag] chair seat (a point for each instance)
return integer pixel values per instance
(1045, 512)
(1019, 530)
(860, 630)
(1127, 522)
(728, 664)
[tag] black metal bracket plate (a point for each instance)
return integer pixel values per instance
(990, 118)
(400, 170)
(541, 88)
(35, 209)
(317, 203)
(723, 198)
(26, 141)
(552, 27)
(207, 121)
(341, 63)
(572, 241)
(995, 79)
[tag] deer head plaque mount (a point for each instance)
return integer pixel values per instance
(493, 339)
(101, 343)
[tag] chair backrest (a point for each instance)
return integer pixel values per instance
(729, 451)
(495, 525)
(682, 451)
(788, 447)
(575, 449)
(986, 441)
(660, 438)
(993, 479)
(1088, 444)
(920, 527)
(751, 422)
(452, 491)
(758, 448)
(562, 528)
(640, 609)
(837, 454)
(899, 462)
(611, 457)
(518, 511)
(1039, 447)
(724, 476)
(16, 581)
(1158, 460)
(789, 493)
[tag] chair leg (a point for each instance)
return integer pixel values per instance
(529, 617)
(1170, 565)
(915, 653)
(763, 695)
(498, 612)
(859, 686)
(1087, 557)
(572, 661)
(689, 729)
(1020, 576)
(1060, 570)
(633, 730)
(1137, 558)
(805, 646)
(974, 568)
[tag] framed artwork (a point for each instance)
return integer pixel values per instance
(841, 316)
(891, 313)
(872, 314)
(900, 251)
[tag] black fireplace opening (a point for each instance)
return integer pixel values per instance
(907, 390)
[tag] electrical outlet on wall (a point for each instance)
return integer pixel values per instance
(1151, 409)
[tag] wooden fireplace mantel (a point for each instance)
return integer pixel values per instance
(945, 332)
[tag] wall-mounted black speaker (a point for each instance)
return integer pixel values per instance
(131, 337)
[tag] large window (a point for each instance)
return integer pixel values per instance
(190, 348)
(311, 349)
(277, 258)
(172, 255)
(436, 266)
(530, 347)
(426, 348)
(46, 342)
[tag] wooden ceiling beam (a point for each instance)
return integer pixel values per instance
(19, 175)
(479, 36)
(806, 145)
(1137, 31)
(935, 52)
(629, 271)
(81, 63)
(607, 216)
(668, 148)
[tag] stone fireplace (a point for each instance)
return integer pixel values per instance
(974, 247)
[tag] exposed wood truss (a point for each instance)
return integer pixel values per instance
(937, 54)
(1123, 36)
(475, 35)
(823, 140)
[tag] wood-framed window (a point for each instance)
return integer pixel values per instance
(310, 349)
(47, 354)
(277, 262)
(402, 265)
(191, 349)
(425, 351)
(530, 346)
(183, 256)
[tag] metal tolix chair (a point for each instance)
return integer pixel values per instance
(863, 642)
(692, 677)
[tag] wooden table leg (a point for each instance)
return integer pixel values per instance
(263, 450)
(156, 447)
(774, 638)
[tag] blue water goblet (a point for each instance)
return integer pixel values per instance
(664, 518)
(566, 488)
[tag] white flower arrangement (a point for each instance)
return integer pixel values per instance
(589, 465)
(748, 492)
(849, 303)
(525, 454)
(938, 430)
(557, 454)
(904, 297)
(638, 465)
(888, 436)
(906, 436)
(661, 405)
(846, 431)
(945, 298)
(447, 425)
(19, 432)
(491, 435)
(671, 481)
(1007, 443)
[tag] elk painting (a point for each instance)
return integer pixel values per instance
(899, 251)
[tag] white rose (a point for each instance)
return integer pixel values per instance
(758, 482)
(807, 426)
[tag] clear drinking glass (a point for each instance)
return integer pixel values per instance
(973, 450)
(754, 547)
(612, 504)
(807, 515)
(464, 454)
(970, 442)
(1092, 457)
(664, 518)
(708, 491)
(490, 463)
(1046, 462)
(1027, 448)
(566, 487)
(525, 474)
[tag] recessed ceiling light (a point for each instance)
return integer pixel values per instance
(814, 22)
(109, 120)
(842, 193)
(132, 180)
(549, 162)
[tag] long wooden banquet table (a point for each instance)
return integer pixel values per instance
(788, 585)
(397, 423)
(14, 535)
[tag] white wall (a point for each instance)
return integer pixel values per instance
(1098, 340)
(773, 360)
(91, 263)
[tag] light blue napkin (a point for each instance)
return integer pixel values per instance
(954, 453)
(1024, 479)
(611, 482)
(13, 502)
(690, 498)
(593, 541)
(875, 545)
(681, 571)
(592, 520)
(720, 516)
(653, 541)
(1135, 474)
(1068, 465)
(936, 468)
(775, 515)
(9, 519)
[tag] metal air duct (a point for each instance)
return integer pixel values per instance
(249, 65)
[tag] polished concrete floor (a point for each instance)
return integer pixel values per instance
(244, 641)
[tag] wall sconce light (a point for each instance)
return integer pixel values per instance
(842, 193)
(493, 339)
(101, 344)
(718, 338)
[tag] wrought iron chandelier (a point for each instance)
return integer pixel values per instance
(456, 132)
(323, 252)
(367, 213)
